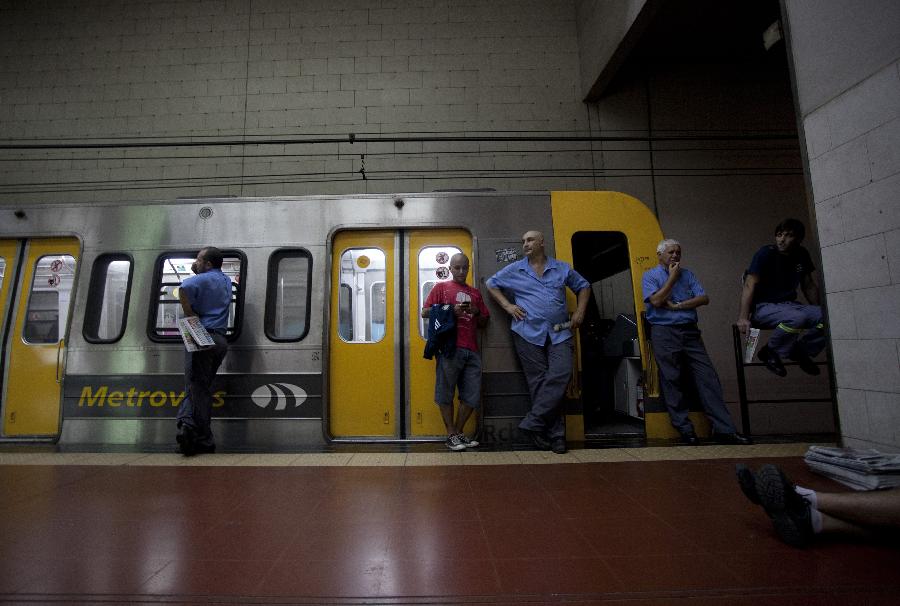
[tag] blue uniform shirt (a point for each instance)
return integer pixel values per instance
(209, 294)
(779, 274)
(543, 298)
(687, 287)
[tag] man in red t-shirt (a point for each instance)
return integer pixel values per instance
(462, 370)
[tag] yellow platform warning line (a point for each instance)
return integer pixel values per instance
(402, 459)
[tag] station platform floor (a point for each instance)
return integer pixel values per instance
(627, 526)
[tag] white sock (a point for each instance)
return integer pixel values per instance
(814, 514)
(809, 495)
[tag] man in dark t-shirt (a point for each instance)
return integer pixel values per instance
(769, 296)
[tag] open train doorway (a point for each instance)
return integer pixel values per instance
(611, 386)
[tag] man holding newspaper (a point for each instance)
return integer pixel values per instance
(207, 295)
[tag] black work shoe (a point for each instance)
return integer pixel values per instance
(731, 438)
(772, 361)
(537, 438)
(789, 511)
(187, 441)
(805, 363)
(690, 439)
(205, 449)
(558, 445)
(747, 481)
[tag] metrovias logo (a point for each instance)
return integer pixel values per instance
(282, 395)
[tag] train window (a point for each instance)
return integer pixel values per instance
(107, 302)
(48, 301)
(363, 304)
(345, 313)
(287, 299)
(434, 267)
(174, 268)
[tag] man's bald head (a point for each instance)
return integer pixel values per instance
(459, 267)
(533, 244)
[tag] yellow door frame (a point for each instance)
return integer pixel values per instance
(575, 211)
(32, 388)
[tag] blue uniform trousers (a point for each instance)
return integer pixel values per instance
(679, 345)
(547, 371)
(199, 371)
(790, 319)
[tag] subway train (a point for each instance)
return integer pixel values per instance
(325, 334)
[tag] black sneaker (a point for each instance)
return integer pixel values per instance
(789, 511)
(466, 441)
(805, 363)
(537, 438)
(187, 441)
(772, 361)
(558, 445)
(731, 438)
(454, 443)
(690, 439)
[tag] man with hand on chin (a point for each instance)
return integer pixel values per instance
(672, 295)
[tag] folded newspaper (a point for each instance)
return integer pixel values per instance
(858, 469)
(193, 334)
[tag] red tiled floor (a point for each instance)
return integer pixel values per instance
(607, 533)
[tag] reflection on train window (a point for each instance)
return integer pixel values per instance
(48, 301)
(345, 312)
(287, 299)
(107, 303)
(171, 271)
(363, 309)
(434, 267)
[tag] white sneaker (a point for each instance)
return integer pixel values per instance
(454, 443)
(466, 441)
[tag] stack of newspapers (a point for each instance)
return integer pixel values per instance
(858, 469)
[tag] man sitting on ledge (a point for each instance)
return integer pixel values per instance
(770, 295)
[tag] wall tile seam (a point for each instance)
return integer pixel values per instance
(854, 290)
(843, 242)
(865, 134)
(895, 62)
(870, 182)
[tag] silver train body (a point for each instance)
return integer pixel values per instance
(272, 394)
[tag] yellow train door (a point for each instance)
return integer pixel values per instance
(429, 253)
(379, 385)
(37, 288)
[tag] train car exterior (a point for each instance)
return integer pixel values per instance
(325, 335)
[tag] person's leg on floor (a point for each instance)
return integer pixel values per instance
(666, 343)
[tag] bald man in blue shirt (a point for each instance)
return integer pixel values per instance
(538, 285)
(672, 295)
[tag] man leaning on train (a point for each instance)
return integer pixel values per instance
(208, 296)
(672, 295)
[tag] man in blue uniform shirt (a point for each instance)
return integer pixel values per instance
(770, 297)
(208, 296)
(672, 295)
(538, 285)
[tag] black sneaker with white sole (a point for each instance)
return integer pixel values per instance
(789, 511)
